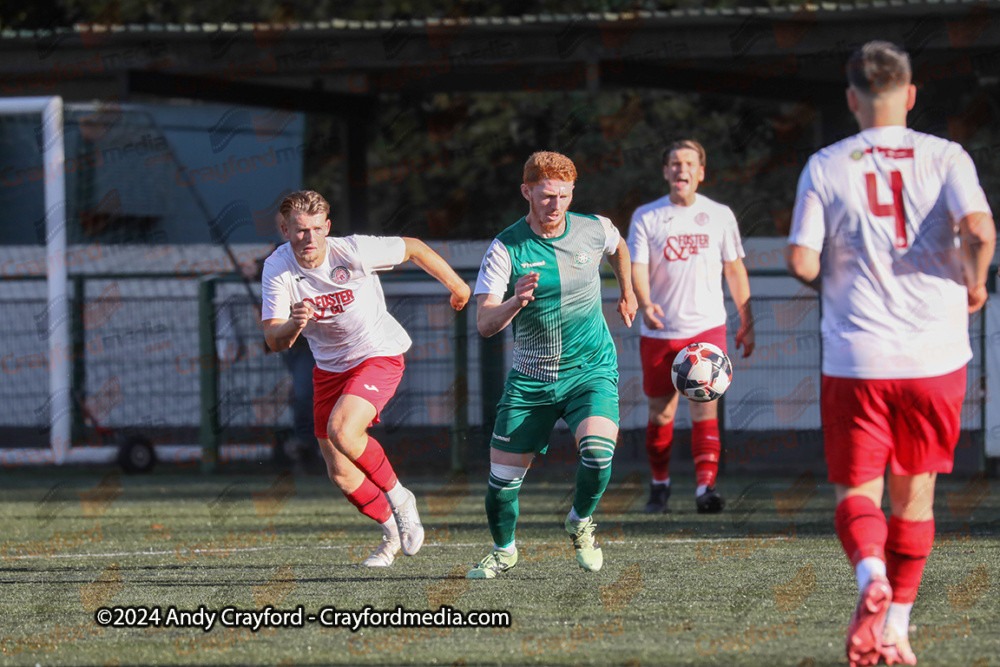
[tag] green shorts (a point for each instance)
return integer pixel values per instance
(530, 408)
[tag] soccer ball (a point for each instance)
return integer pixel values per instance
(701, 372)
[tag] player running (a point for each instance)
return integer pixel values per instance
(679, 245)
(327, 289)
(874, 229)
(543, 274)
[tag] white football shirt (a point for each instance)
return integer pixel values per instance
(883, 208)
(350, 322)
(685, 247)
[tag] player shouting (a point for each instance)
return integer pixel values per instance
(874, 229)
(327, 289)
(543, 274)
(680, 244)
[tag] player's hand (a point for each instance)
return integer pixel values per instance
(460, 297)
(977, 297)
(746, 339)
(627, 307)
(301, 312)
(649, 316)
(524, 288)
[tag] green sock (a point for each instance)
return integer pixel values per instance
(593, 473)
(501, 508)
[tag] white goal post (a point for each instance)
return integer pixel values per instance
(57, 275)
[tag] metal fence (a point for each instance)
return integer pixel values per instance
(183, 361)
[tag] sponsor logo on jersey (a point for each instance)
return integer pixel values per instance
(892, 153)
(531, 265)
(682, 246)
(328, 305)
(582, 257)
(341, 275)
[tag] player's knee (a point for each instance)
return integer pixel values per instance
(343, 435)
(596, 451)
(335, 433)
(660, 418)
(508, 473)
(703, 411)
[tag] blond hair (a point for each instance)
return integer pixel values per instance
(546, 164)
(878, 67)
(306, 201)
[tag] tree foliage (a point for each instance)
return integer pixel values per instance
(450, 165)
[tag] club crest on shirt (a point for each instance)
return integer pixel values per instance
(857, 155)
(582, 257)
(701, 218)
(340, 275)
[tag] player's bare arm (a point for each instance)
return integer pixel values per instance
(651, 312)
(435, 266)
(493, 314)
(803, 265)
(282, 334)
(739, 288)
(621, 264)
(977, 236)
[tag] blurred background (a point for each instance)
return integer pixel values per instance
(184, 127)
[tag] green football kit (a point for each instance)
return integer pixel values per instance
(565, 363)
(565, 366)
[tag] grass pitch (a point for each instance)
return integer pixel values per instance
(763, 583)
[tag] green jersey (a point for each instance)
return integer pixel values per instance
(564, 327)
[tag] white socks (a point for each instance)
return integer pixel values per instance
(701, 489)
(899, 613)
(389, 529)
(868, 567)
(397, 495)
(899, 618)
(509, 549)
(661, 482)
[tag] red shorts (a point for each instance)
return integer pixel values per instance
(374, 380)
(658, 354)
(911, 424)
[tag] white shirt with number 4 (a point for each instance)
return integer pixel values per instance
(350, 322)
(883, 208)
(685, 247)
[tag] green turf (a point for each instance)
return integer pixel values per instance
(680, 588)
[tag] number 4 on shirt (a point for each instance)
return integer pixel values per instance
(893, 209)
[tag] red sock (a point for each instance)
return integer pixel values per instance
(370, 501)
(906, 552)
(861, 528)
(375, 466)
(659, 440)
(705, 449)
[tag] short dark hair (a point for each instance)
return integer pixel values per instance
(681, 144)
(878, 67)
